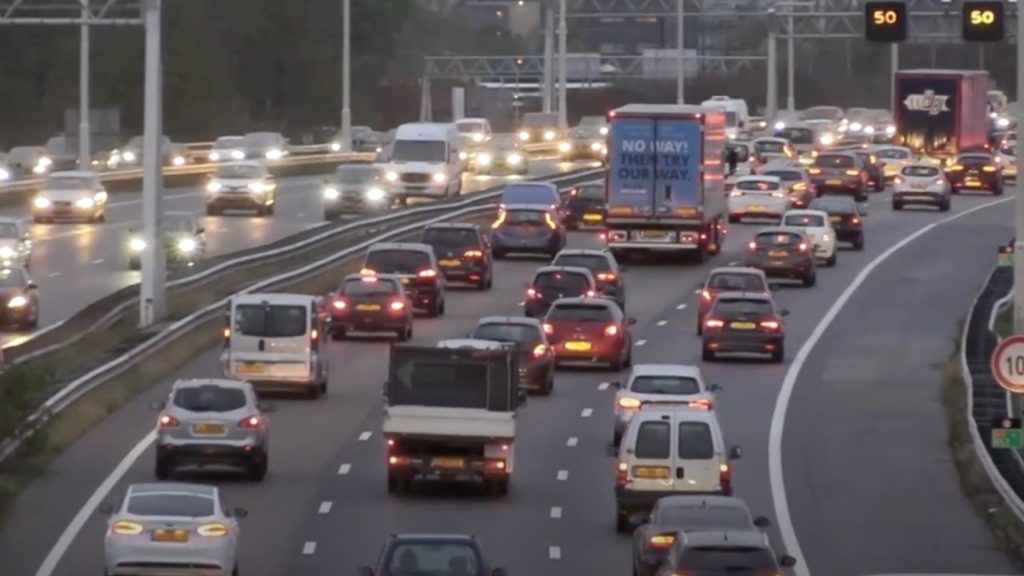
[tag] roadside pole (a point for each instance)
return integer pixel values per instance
(1018, 247)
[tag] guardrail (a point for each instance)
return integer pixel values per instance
(479, 202)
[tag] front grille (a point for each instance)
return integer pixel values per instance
(415, 178)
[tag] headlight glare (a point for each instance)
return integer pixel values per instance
(524, 135)
(274, 154)
(514, 159)
(85, 203)
(440, 177)
(391, 176)
(178, 161)
(214, 156)
(483, 160)
(564, 147)
(7, 252)
(128, 156)
(214, 186)
(549, 135)
(374, 194)
(42, 202)
(17, 302)
(331, 193)
(187, 245)
(137, 244)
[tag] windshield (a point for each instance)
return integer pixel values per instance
(534, 120)
(529, 195)
(209, 398)
(592, 262)
(358, 174)
(581, 313)
(770, 147)
(270, 321)
(517, 333)
(824, 113)
(797, 135)
(682, 385)
(786, 175)
(804, 220)
(503, 142)
(592, 121)
(692, 519)
(69, 183)
(758, 185)
(245, 171)
(364, 287)
(397, 261)
(834, 161)
(653, 440)
(223, 143)
(736, 282)
(451, 237)
(469, 127)
(743, 306)
(12, 278)
(262, 139)
(434, 559)
(893, 154)
(565, 283)
(920, 171)
(420, 151)
(8, 230)
(23, 154)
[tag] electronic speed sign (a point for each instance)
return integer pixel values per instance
(983, 21)
(1008, 364)
(885, 21)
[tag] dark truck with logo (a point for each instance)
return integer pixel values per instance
(941, 113)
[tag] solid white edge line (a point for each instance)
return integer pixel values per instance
(775, 475)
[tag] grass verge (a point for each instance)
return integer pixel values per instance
(1007, 529)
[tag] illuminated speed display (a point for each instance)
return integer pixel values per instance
(983, 21)
(885, 21)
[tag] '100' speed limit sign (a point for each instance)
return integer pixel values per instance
(1008, 364)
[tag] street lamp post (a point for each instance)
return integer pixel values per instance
(346, 77)
(154, 288)
(680, 56)
(549, 57)
(84, 153)
(771, 102)
(563, 73)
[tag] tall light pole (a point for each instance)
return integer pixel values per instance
(563, 73)
(680, 57)
(84, 154)
(152, 301)
(771, 101)
(1018, 248)
(549, 58)
(790, 66)
(894, 66)
(346, 76)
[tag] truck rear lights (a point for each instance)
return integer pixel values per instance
(622, 474)
(495, 464)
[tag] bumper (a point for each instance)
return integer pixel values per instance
(526, 245)
(368, 322)
(198, 453)
(239, 201)
(764, 210)
(536, 308)
(470, 468)
(354, 206)
(917, 197)
(404, 190)
(535, 376)
(786, 269)
(139, 556)
(754, 342)
(465, 272)
(69, 211)
(848, 234)
(423, 298)
(980, 184)
(838, 186)
(584, 218)
(598, 352)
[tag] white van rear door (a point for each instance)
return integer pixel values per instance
(696, 457)
(271, 340)
(651, 461)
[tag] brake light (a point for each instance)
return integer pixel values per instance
(590, 294)
(252, 422)
(629, 403)
(550, 221)
(706, 295)
(213, 529)
(531, 293)
(814, 170)
(713, 323)
(428, 273)
(606, 276)
(661, 541)
(339, 304)
(549, 329)
(397, 305)
(853, 173)
(701, 404)
(126, 528)
(473, 254)
(540, 350)
(855, 221)
(752, 245)
(168, 421)
(226, 334)
(989, 168)
(621, 473)
(770, 325)
(367, 272)
(799, 186)
(955, 168)
(803, 247)
(611, 330)
(725, 478)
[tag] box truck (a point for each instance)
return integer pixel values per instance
(941, 113)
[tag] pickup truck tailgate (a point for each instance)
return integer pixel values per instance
(429, 421)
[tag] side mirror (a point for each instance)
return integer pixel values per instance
(787, 561)
(735, 453)
(106, 508)
(240, 513)
(158, 405)
(631, 321)
(784, 312)
(267, 407)
(32, 285)
(715, 388)
(364, 571)
(499, 572)
(762, 522)
(617, 385)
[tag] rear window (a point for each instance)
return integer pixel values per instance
(528, 195)
(271, 321)
(581, 313)
(975, 160)
(591, 262)
(519, 217)
(834, 206)
(590, 192)
(664, 385)
(770, 147)
(730, 559)
(920, 171)
(695, 441)
(730, 306)
(834, 161)
(737, 282)
(653, 440)
(797, 135)
(893, 154)
(786, 175)
(773, 240)
(451, 237)
(517, 333)
(397, 261)
(180, 505)
(209, 399)
(429, 558)
(361, 287)
(566, 282)
(813, 220)
(692, 519)
(758, 185)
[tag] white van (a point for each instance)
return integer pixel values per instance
(474, 131)
(426, 161)
(670, 451)
(737, 116)
(274, 341)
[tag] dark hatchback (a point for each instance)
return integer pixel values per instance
(355, 188)
(976, 171)
(603, 265)
(463, 253)
(846, 216)
(551, 283)
(371, 303)
(19, 299)
(527, 230)
(416, 268)
(429, 555)
(840, 173)
(875, 169)
(584, 206)
(723, 553)
(745, 322)
(783, 252)
(536, 357)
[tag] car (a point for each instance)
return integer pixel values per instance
(463, 252)
(227, 148)
(1007, 154)
(529, 229)
(15, 243)
(783, 252)
(818, 226)
(536, 356)
(417, 269)
(241, 185)
(430, 554)
(28, 161)
(584, 206)
(874, 167)
(673, 514)
(596, 123)
(212, 421)
(807, 138)
(661, 440)
(584, 143)
(130, 156)
(551, 283)
(744, 322)
(796, 182)
(531, 194)
(976, 171)
(919, 184)
(171, 528)
(71, 195)
(846, 216)
(770, 149)
(355, 189)
(539, 127)
(476, 131)
(654, 384)
(19, 299)
(590, 330)
(840, 173)
(894, 159)
(721, 552)
(758, 197)
(502, 154)
(728, 279)
(371, 303)
(265, 145)
(184, 241)
(602, 265)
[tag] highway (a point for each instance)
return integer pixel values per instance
(869, 482)
(76, 264)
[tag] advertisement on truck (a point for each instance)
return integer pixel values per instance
(656, 166)
(941, 113)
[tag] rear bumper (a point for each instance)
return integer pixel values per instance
(368, 321)
(599, 351)
(787, 269)
(918, 197)
(541, 245)
(982, 184)
(465, 272)
(849, 234)
(845, 187)
(755, 342)
(210, 453)
(535, 376)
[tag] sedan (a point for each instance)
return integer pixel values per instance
(976, 171)
(241, 185)
(184, 241)
(584, 143)
(894, 158)
(181, 528)
(728, 279)
(590, 330)
(371, 303)
(501, 154)
(783, 252)
(441, 554)
(757, 196)
(921, 184)
(846, 216)
(745, 322)
(73, 195)
(840, 173)
(19, 299)
(674, 384)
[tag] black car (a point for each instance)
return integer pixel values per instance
(976, 171)
(674, 514)
(428, 554)
(875, 169)
(746, 322)
(840, 173)
(783, 252)
(416, 268)
(552, 283)
(355, 189)
(846, 216)
(711, 553)
(584, 143)
(463, 252)
(536, 357)
(19, 299)
(602, 265)
(584, 206)
(370, 303)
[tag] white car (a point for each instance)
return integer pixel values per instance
(921, 184)
(757, 196)
(72, 195)
(660, 384)
(171, 528)
(241, 185)
(894, 158)
(818, 226)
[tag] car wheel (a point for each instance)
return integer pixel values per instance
(33, 321)
(616, 438)
(897, 205)
(211, 211)
(499, 255)
(779, 354)
(998, 190)
(700, 327)
(314, 391)
(271, 208)
(944, 205)
(164, 467)
(234, 571)
(548, 386)
(338, 334)
(435, 310)
(258, 468)
(490, 279)
(707, 354)
(134, 264)
(403, 334)
(393, 483)
(101, 217)
(831, 261)
(629, 356)
(858, 244)
(811, 280)
(621, 521)
(733, 219)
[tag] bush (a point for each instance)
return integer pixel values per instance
(22, 389)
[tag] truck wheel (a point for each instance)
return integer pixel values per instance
(621, 521)
(944, 206)
(810, 280)
(258, 468)
(338, 333)
(164, 467)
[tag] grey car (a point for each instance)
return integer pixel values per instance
(212, 422)
(15, 243)
(723, 552)
(783, 252)
(355, 188)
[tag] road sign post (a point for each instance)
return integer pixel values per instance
(1008, 364)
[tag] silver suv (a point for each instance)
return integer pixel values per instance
(212, 422)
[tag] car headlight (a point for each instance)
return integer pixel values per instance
(463, 155)
(440, 177)
(856, 127)
(137, 244)
(549, 135)
(890, 130)
(41, 202)
(483, 159)
(478, 137)
(214, 156)
(331, 193)
(595, 146)
(869, 129)
(214, 186)
(100, 197)
(5, 174)
(564, 147)
(17, 302)
(374, 194)
(238, 155)
(780, 125)
(827, 139)
(7, 252)
(44, 162)
(524, 135)
(514, 159)
(391, 176)
(187, 245)
(274, 154)
(731, 133)
(178, 161)
(128, 156)
(1003, 123)
(603, 130)
(85, 203)
(257, 187)
(335, 146)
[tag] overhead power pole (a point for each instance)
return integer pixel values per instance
(154, 280)
(681, 56)
(84, 130)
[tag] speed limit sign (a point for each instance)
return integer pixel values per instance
(1008, 364)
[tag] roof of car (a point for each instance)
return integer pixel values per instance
(703, 502)
(737, 270)
(920, 165)
(528, 207)
(781, 230)
(173, 487)
(410, 246)
(520, 320)
(666, 370)
(10, 219)
(474, 343)
(771, 139)
(385, 277)
(567, 269)
(759, 178)
(454, 225)
(661, 411)
(584, 252)
(221, 382)
(742, 295)
(744, 538)
(837, 153)
(545, 185)
(465, 537)
(604, 303)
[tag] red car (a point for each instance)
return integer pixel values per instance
(589, 330)
(371, 303)
(728, 279)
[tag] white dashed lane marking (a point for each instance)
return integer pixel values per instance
(325, 507)
(563, 475)
(53, 274)
(365, 436)
(586, 412)
(572, 441)
(309, 548)
(556, 512)
(98, 261)
(641, 342)
(681, 307)
(344, 469)
(603, 386)
(662, 322)
(554, 552)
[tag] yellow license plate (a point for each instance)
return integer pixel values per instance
(449, 463)
(449, 263)
(650, 472)
(578, 346)
(250, 368)
(835, 182)
(655, 235)
(368, 307)
(778, 253)
(757, 208)
(919, 186)
(743, 325)
(211, 429)
(836, 218)
(162, 535)
(593, 217)
(404, 280)
(973, 182)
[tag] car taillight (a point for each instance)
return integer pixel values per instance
(702, 404)
(725, 478)
(213, 529)
(606, 276)
(168, 421)
(621, 473)
(226, 335)
(550, 222)
(549, 329)
(706, 295)
(397, 305)
(853, 173)
(803, 247)
(314, 338)
(799, 187)
(770, 325)
(814, 170)
(531, 293)
(989, 168)
(940, 181)
(713, 323)
(428, 273)
(339, 304)
(855, 221)
(126, 528)
(752, 245)
(473, 254)
(611, 330)
(590, 294)
(251, 423)
(540, 350)
(661, 541)
(629, 403)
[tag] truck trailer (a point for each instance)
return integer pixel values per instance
(665, 185)
(941, 113)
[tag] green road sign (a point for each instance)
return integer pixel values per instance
(1006, 259)
(1008, 438)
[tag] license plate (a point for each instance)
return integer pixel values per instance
(450, 263)
(743, 325)
(578, 346)
(211, 429)
(404, 280)
(162, 535)
(655, 235)
(834, 182)
(368, 307)
(449, 463)
(250, 368)
(972, 182)
(650, 472)
(757, 209)
(836, 218)
(593, 217)
(778, 253)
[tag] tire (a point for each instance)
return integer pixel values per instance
(707, 354)
(258, 468)
(944, 206)
(621, 521)
(810, 280)
(897, 205)
(338, 334)
(629, 356)
(858, 244)
(134, 265)
(998, 191)
(271, 209)
(100, 218)
(499, 255)
(498, 487)
(403, 334)
(164, 467)
(548, 386)
(616, 439)
(779, 354)
(435, 309)
(831, 261)
(700, 327)
(323, 386)
(861, 196)
(394, 484)
(733, 219)
(314, 391)
(33, 322)
(40, 219)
